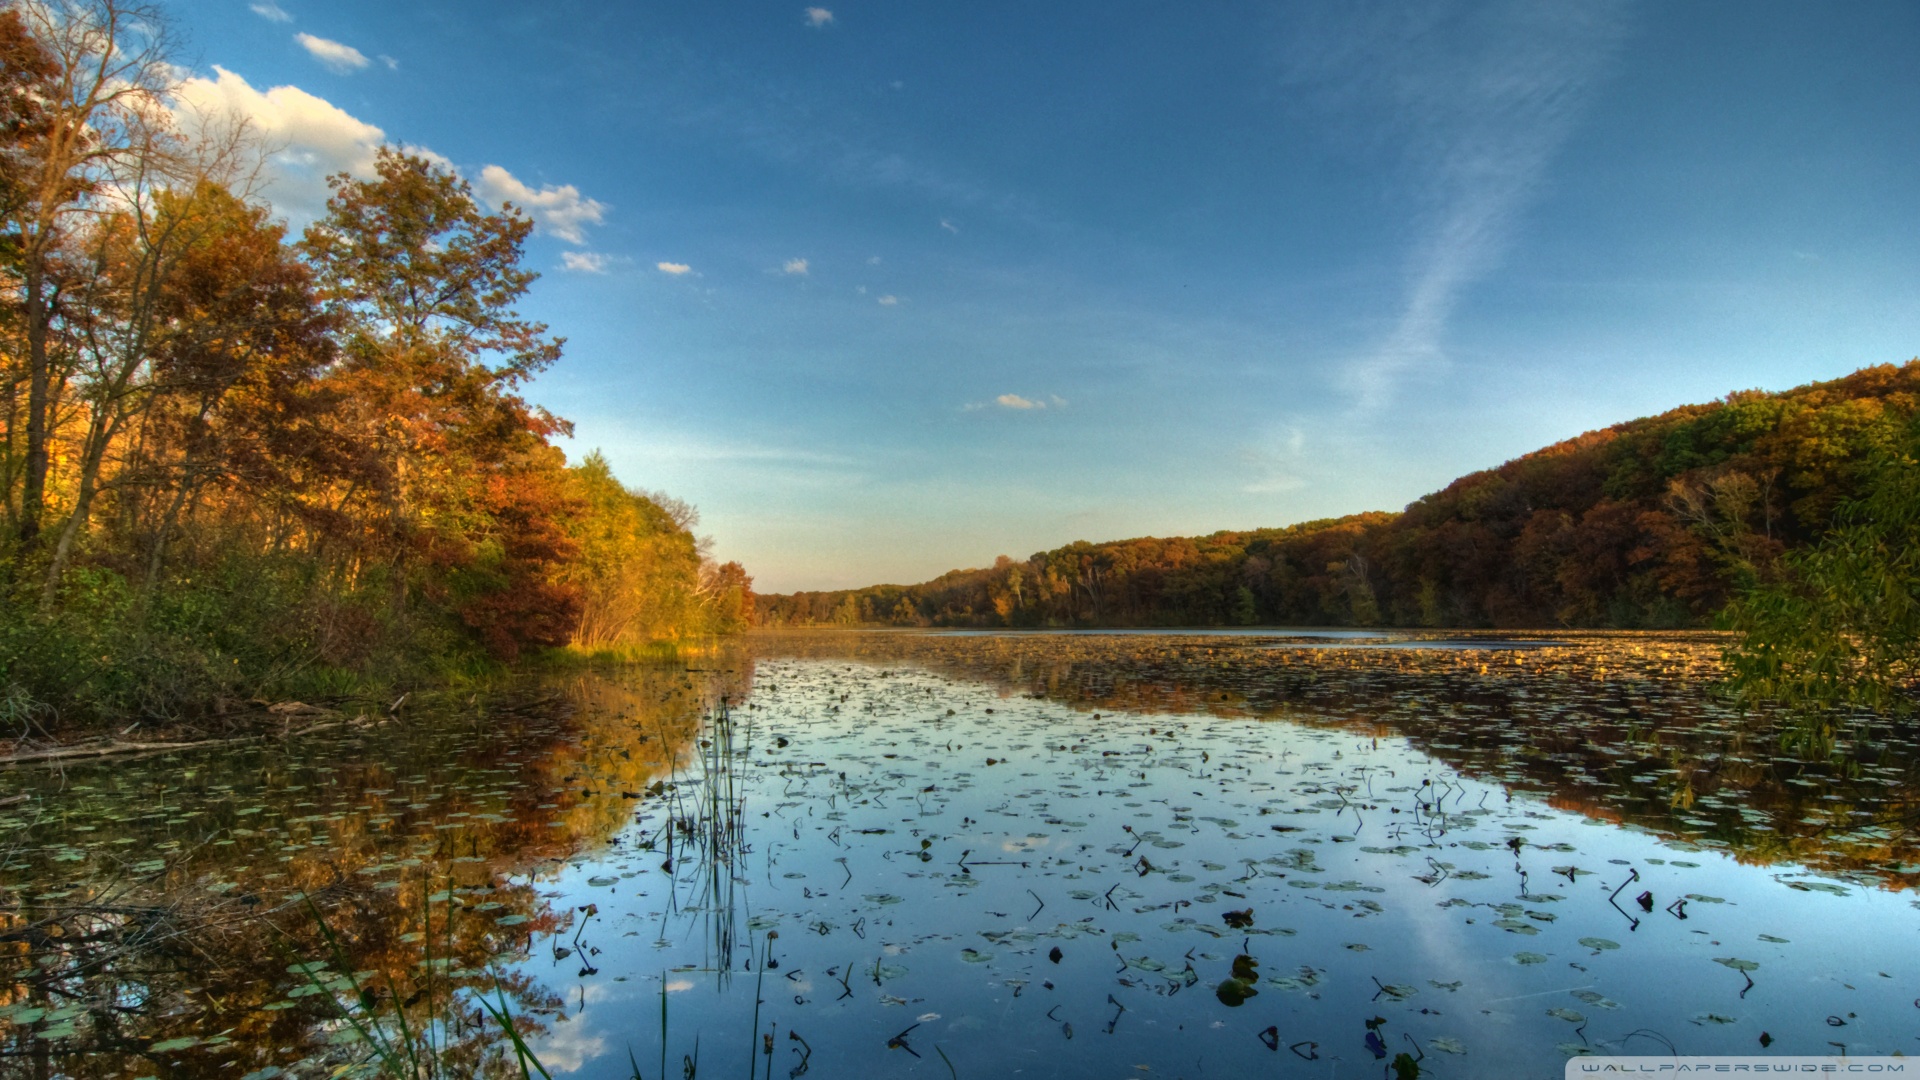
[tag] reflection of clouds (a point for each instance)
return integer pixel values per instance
(1014, 845)
(570, 1046)
(674, 986)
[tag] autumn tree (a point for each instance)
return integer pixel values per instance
(1837, 625)
(639, 568)
(432, 356)
(122, 307)
(726, 591)
(85, 116)
(237, 421)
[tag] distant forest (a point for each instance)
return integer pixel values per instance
(1652, 523)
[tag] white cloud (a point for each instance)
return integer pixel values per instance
(315, 138)
(818, 17)
(1480, 97)
(392, 64)
(873, 260)
(1015, 401)
(583, 262)
(674, 268)
(269, 10)
(337, 58)
(889, 301)
(560, 210)
(795, 266)
(949, 226)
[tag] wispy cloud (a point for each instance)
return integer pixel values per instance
(889, 300)
(271, 11)
(337, 58)
(1016, 403)
(796, 267)
(747, 459)
(1276, 464)
(949, 226)
(1477, 98)
(584, 262)
(831, 136)
(818, 17)
(674, 268)
(560, 210)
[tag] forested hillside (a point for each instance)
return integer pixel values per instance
(1650, 523)
(237, 463)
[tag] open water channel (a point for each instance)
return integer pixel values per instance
(938, 855)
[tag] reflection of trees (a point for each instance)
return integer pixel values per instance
(421, 847)
(1616, 726)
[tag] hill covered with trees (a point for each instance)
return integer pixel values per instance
(1652, 523)
(237, 464)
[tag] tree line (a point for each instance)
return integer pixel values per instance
(236, 462)
(1654, 523)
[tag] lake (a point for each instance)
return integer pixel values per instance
(974, 855)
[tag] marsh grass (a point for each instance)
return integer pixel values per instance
(427, 1048)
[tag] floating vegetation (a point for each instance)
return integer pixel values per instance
(868, 854)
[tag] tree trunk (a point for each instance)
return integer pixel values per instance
(94, 453)
(33, 488)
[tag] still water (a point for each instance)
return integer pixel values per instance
(934, 855)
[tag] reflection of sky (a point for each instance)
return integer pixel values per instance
(1198, 631)
(914, 938)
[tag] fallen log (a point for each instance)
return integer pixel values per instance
(116, 747)
(108, 749)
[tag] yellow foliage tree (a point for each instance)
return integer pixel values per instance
(638, 569)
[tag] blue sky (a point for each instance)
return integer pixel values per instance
(890, 288)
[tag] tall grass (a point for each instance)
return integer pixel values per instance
(400, 1048)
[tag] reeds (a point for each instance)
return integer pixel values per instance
(403, 1049)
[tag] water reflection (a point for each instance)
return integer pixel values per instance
(1028, 858)
(155, 915)
(908, 853)
(1621, 727)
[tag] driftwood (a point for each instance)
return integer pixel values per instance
(108, 748)
(117, 747)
